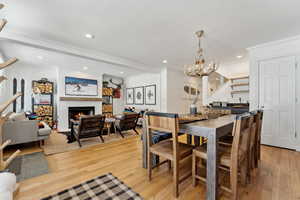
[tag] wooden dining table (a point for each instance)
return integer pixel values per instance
(212, 129)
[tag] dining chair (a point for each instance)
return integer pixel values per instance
(172, 150)
(258, 138)
(233, 160)
(253, 143)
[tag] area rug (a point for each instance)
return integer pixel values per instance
(57, 142)
(29, 166)
(106, 187)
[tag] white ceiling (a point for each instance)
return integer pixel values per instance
(43, 60)
(148, 31)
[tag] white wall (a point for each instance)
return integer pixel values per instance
(169, 92)
(177, 100)
(232, 70)
(282, 48)
(236, 69)
(29, 73)
(144, 80)
(224, 94)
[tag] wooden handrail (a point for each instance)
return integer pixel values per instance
(13, 156)
(7, 142)
(2, 78)
(7, 103)
(7, 63)
(2, 23)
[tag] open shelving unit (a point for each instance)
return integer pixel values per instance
(43, 109)
(107, 101)
(237, 83)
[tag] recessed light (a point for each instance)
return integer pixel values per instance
(40, 57)
(165, 61)
(121, 72)
(89, 36)
(85, 68)
(239, 56)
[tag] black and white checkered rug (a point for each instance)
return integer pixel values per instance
(106, 187)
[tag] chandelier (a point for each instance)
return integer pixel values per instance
(200, 67)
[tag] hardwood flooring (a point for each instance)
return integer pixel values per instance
(277, 179)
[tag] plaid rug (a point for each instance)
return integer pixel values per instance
(106, 187)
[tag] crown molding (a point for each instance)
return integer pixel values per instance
(274, 43)
(72, 50)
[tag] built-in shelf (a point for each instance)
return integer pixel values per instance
(239, 84)
(80, 99)
(241, 77)
(239, 91)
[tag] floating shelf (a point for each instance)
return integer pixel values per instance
(239, 91)
(241, 77)
(239, 84)
(79, 99)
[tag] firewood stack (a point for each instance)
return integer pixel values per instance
(3, 107)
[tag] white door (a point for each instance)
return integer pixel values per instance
(277, 98)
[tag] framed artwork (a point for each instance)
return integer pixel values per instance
(150, 93)
(80, 87)
(129, 96)
(139, 95)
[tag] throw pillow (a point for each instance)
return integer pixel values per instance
(18, 116)
(41, 125)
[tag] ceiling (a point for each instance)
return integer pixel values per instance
(31, 58)
(147, 31)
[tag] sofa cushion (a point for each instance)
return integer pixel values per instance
(17, 116)
(44, 131)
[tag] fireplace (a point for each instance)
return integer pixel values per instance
(76, 112)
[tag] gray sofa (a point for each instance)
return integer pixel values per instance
(19, 130)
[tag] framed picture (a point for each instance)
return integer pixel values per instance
(129, 96)
(150, 94)
(139, 95)
(80, 87)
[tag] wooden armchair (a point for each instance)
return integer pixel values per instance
(89, 126)
(233, 160)
(171, 150)
(127, 122)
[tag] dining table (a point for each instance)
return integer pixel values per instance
(212, 130)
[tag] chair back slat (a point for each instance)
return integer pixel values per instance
(93, 123)
(166, 122)
(254, 128)
(240, 145)
(129, 121)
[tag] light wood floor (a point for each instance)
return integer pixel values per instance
(278, 177)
